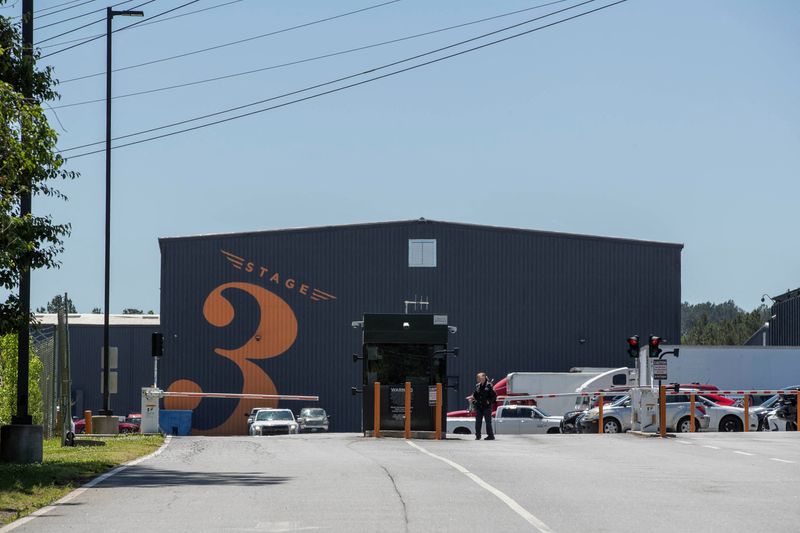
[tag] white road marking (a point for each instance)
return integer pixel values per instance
(503, 497)
(780, 460)
(709, 446)
(77, 492)
(742, 453)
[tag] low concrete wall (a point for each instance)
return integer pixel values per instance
(21, 443)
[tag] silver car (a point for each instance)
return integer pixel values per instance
(617, 416)
(313, 419)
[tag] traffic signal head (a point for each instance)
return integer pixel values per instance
(633, 346)
(654, 346)
(157, 344)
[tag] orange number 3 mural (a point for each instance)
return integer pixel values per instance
(275, 334)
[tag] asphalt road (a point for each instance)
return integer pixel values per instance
(560, 483)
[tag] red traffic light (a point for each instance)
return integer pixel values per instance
(654, 345)
(633, 346)
(655, 341)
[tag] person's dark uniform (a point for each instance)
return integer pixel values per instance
(484, 398)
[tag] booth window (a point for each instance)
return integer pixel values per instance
(422, 252)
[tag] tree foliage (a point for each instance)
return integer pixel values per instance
(29, 163)
(724, 324)
(56, 304)
(8, 382)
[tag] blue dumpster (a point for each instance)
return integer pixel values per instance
(175, 421)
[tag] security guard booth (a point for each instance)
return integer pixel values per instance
(398, 349)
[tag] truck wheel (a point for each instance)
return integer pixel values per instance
(611, 426)
(462, 431)
(730, 423)
(553, 430)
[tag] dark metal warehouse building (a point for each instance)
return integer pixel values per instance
(271, 311)
(784, 328)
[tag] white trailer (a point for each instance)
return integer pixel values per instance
(735, 367)
(531, 383)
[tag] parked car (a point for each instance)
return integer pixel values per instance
(313, 419)
(569, 422)
(510, 420)
(274, 422)
(726, 418)
(617, 416)
(124, 426)
(134, 418)
(783, 416)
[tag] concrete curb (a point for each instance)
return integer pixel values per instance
(80, 490)
(640, 434)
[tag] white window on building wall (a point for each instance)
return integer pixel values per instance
(422, 252)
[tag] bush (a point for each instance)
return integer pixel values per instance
(8, 382)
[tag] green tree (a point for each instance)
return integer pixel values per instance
(8, 382)
(723, 324)
(28, 164)
(132, 311)
(57, 303)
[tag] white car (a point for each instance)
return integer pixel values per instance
(274, 422)
(510, 420)
(726, 417)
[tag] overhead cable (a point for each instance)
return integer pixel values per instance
(308, 59)
(231, 43)
(337, 89)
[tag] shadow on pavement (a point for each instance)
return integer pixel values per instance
(154, 477)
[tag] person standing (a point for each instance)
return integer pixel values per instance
(483, 399)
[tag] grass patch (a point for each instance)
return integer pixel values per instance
(25, 488)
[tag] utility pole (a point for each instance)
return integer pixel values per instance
(106, 411)
(23, 334)
(22, 441)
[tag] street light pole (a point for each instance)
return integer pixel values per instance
(110, 14)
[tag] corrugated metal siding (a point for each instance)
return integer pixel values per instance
(784, 329)
(521, 300)
(135, 366)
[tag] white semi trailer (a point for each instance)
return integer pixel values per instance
(735, 367)
(531, 383)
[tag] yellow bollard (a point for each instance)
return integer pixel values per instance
(747, 412)
(408, 411)
(600, 414)
(87, 422)
(439, 411)
(662, 411)
(691, 412)
(376, 417)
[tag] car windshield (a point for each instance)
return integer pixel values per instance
(274, 415)
(312, 412)
(542, 411)
(621, 401)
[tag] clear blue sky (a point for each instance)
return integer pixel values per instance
(660, 120)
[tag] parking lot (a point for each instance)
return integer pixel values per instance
(344, 482)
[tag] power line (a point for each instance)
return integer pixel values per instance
(355, 84)
(90, 24)
(309, 59)
(125, 27)
(42, 15)
(231, 43)
(91, 37)
(73, 30)
(62, 21)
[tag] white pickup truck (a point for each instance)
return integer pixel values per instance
(510, 420)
